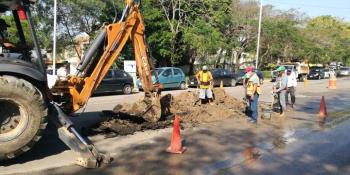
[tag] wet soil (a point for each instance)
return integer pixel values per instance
(191, 111)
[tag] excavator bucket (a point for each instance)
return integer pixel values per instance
(153, 111)
(148, 108)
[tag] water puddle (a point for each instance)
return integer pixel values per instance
(251, 154)
(276, 142)
(307, 108)
(248, 155)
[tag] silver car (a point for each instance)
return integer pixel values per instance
(344, 71)
(327, 73)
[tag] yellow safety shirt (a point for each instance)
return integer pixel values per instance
(204, 78)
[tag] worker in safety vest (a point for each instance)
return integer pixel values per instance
(253, 90)
(205, 82)
(280, 87)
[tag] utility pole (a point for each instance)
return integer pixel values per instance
(259, 33)
(54, 38)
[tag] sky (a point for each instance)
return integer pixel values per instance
(313, 8)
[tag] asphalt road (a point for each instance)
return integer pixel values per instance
(296, 144)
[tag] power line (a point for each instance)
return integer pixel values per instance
(308, 5)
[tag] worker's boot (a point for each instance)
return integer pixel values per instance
(282, 114)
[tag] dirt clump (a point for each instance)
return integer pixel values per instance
(122, 121)
(118, 124)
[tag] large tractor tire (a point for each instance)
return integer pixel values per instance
(23, 116)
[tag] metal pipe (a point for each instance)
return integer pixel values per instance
(67, 123)
(92, 50)
(39, 60)
(54, 38)
(75, 132)
(259, 33)
(124, 13)
(20, 34)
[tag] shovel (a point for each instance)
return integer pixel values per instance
(212, 91)
(197, 93)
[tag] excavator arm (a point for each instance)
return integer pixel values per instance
(103, 52)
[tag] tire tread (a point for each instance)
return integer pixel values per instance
(29, 90)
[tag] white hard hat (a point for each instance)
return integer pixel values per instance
(205, 67)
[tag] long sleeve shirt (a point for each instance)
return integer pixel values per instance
(292, 80)
(281, 83)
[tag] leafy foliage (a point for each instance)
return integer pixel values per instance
(179, 32)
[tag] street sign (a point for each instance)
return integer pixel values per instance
(130, 66)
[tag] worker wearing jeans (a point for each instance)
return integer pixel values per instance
(254, 108)
(253, 91)
(281, 88)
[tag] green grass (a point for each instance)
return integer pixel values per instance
(266, 74)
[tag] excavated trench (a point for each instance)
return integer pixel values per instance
(186, 105)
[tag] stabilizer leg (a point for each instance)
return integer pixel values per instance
(88, 155)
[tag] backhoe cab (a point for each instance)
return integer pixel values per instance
(26, 103)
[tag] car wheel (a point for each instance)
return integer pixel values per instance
(127, 89)
(233, 83)
(303, 78)
(182, 86)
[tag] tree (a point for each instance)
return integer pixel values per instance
(179, 32)
(329, 39)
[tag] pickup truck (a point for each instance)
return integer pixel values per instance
(301, 70)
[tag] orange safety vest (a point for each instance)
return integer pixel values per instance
(250, 88)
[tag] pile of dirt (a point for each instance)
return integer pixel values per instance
(189, 108)
(122, 121)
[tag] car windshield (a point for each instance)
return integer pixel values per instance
(344, 68)
(159, 70)
(315, 70)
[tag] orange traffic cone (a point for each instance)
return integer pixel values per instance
(175, 144)
(221, 85)
(332, 83)
(323, 108)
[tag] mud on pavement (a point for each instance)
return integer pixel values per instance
(186, 105)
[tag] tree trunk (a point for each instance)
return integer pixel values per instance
(238, 56)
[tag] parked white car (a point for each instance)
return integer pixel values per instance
(344, 71)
